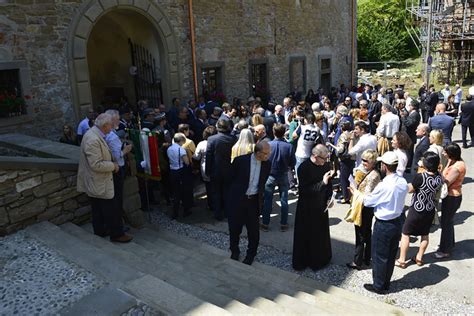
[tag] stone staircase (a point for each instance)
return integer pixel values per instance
(177, 275)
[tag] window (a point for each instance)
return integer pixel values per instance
(258, 79)
(211, 79)
(325, 73)
(12, 102)
(298, 74)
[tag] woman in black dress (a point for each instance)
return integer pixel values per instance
(422, 210)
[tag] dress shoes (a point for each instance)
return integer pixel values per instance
(264, 227)
(235, 256)
(371, 288)
(122, 239)
(248, 260)
(284, 228)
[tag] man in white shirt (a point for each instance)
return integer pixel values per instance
(388, 200)
(446, 92)
(84, 125)
(457, 96)
(389, 123)
(361, 140)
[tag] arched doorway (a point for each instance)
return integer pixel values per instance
(123, 56)
(100, 53)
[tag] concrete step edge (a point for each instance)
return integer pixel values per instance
(142, 262)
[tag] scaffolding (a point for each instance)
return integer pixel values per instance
(451, 38)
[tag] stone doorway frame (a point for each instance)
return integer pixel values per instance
(80, 29)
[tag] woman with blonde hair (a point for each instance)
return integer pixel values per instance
(257, 119)
(363, 220)
(436, 142)
(245, 145)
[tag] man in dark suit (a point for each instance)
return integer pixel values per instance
(218, 152)
(467, 118)
(275, 118)
(422, 132)
(249, 174)
(443, 122)
(409, 125)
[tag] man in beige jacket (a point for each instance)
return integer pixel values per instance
(95, 178)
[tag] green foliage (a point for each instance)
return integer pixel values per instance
(381, 32)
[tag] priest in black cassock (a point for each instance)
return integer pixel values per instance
(312, 242)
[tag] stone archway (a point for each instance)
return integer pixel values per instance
(81, 28)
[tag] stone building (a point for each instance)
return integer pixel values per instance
(71, 54)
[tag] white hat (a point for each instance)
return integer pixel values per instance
(471, 91)
(389, 158)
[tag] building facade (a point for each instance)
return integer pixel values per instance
(69, 55)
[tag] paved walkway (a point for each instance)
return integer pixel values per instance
(452, 278)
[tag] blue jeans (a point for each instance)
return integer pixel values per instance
(283, 186)
(385, 240)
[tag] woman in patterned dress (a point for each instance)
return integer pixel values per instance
(422, 210)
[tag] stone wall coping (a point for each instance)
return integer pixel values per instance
(41, 147)
(28, 163)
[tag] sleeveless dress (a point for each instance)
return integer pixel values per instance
(421, 212)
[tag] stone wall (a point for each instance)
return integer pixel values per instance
(231, 31)
(34, 189)
(31, 196)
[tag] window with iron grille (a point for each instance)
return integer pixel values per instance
(211, 81)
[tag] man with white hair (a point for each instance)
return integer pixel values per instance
(287, 109)
(446, 92)
(95, 178)
(119, 151)
(389, 123)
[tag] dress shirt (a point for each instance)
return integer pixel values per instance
(366, 141)
(389, 124)
(115, 146)
(402, 161)
(458, 96)
(255, 166)
(388, 197)
(83, 127)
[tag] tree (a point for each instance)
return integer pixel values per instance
(381, 31)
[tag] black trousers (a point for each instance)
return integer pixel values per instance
(363, 236)
(182, 184)
(119, 178)
(106, 217)
(464, 134)
(246, 214)
(218, 192)
(384, 251)
(449, 207)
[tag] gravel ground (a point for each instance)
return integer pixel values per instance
(402, 294)
(34, 280)
(142, 309)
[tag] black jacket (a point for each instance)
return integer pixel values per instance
(240, 175)
(420, 149)
(467, 113)
(218, 152)
(410, 123)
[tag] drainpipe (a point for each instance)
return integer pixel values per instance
(193, 48)
(353, 42)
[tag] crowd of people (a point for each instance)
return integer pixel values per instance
(368, 138)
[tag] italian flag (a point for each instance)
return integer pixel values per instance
(145, 150)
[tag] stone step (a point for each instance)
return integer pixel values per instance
(120, 275)
(107, 301)
(169, 265)
(213, 280)
(291, 281)
(299, 306)
(234, 273)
